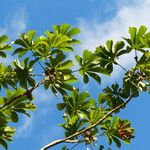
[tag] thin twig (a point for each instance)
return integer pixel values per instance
(37, 60)
(25, 93)
(121, 66)
(51, 144)
(136, 56)
(76, 70)
(38, 75)
(72, 141)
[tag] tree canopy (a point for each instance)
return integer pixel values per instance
(85, 119)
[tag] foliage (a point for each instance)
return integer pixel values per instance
(82, 114)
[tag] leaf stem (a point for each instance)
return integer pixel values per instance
(37, 60)
(121, 66)
(136, 56)
(76, 70)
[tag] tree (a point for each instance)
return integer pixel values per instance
(85, 119)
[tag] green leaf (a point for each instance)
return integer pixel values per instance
(46, 85)
(79, 60)
(87, 55)
(3, 143)
(3, 39)
(61, 106)
(141, 31)
(85, 78)
(65, 65)
(132, 31)
(102, 98)
(20, 50)
(95, 76)
(14, 116)
(31, 34)
(117, 142)
(64, 148)
(31, 81)
(119, 45)
(23, 83)
(115, 122)
(2, 101)
(26, 106)
(21, 43)
(69, 79)
(66, 86)
(110, 67)
(63, 29)
(83, 96)
(2, 54)
(73, 32)
(109, 45)
(23, 111)
(101, 147)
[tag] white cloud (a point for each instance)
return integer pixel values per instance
(42, 95)
(129, 13)
(25, 128)
(93, 33)
(16, 24)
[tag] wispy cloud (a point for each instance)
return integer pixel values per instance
(93, 32)
(129, 13)
(16, 25)
(25, 128)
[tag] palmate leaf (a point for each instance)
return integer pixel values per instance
(44, 46)
(90, 66)
(88, 56)
(76, 102)
(3, 45)
(20, 104)
(113, 96)
(58, 82)
(65, 29)
(109, 54)
(144, 63)
(60, 74)
(14, 116)
(72, 124)
(59, 41)
(26, 106)
(3, 143)
(7, 76)
(64, 65)
(6, 134)
(26, 41)
(117, 130)
(23, 72)
(3, 39)
(12, 94)
(146, 40)
(124, 131)
(135, 38)
(94, 115)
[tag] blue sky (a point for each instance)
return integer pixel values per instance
(98, 20)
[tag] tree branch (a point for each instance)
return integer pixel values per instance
(74, 141)
(25, 93)
(51, 144)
